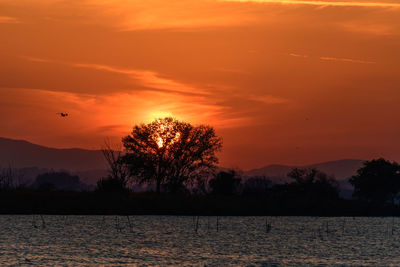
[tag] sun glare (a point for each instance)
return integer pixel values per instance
(166, 135)
(158, 114)
(160, 142)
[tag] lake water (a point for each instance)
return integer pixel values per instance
(173, 240)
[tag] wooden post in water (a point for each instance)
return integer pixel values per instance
(344, 221)
(129, 222)
(117, 224)
(392, 225)
(217, 224)
(34, 221)
(43, 222)
(319, 232)
(197, 225)
(387, 229)
(267, 225)
(103, 221)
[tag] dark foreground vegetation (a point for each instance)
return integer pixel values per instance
(178, 161)
(56, 202)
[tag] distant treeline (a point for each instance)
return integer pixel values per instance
(311, 192)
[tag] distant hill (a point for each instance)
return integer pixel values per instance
(22, 154)
(91, 166)
(340, 169)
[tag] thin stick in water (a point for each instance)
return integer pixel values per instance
(392, 225)
(197, 224)
(130, 225)
(43, 222)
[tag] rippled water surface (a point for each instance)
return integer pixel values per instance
(173, 240)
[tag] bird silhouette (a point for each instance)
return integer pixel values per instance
(63, 114)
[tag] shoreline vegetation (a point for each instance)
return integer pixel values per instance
(179, 161)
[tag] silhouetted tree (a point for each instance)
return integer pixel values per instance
(225, 183)
(313, 184)
(171, 153)
(10, 178)
(256, 186)
(201, 182)
(58, 180)
(118, 171)
(378, 181)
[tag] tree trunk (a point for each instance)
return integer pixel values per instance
(159, 174)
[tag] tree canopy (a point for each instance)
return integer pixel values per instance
(225, 183)
(172, 153)
(378, 181)
(313, 184)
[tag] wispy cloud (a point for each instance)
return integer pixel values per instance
(368, 26)
(156, 96)
(349, 60)
(148, 79)
(324, 3)
(105, 115)
(6, 19)
(298, 55)
(173, 14)
(36, 59)
(144, 78)
(337, 59)
(268, 99)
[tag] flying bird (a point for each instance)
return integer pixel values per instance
(63, 114)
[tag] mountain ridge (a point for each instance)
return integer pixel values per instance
(341, 169)
(22, 154)
(91, 163)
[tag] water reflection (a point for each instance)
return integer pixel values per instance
(172, 240)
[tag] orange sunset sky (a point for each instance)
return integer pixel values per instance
(292, 82)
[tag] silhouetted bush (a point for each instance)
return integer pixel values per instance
(225, 183)
(111, 185)
(310, 188)
(46, 187)
(58, 181)
(377, 182)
